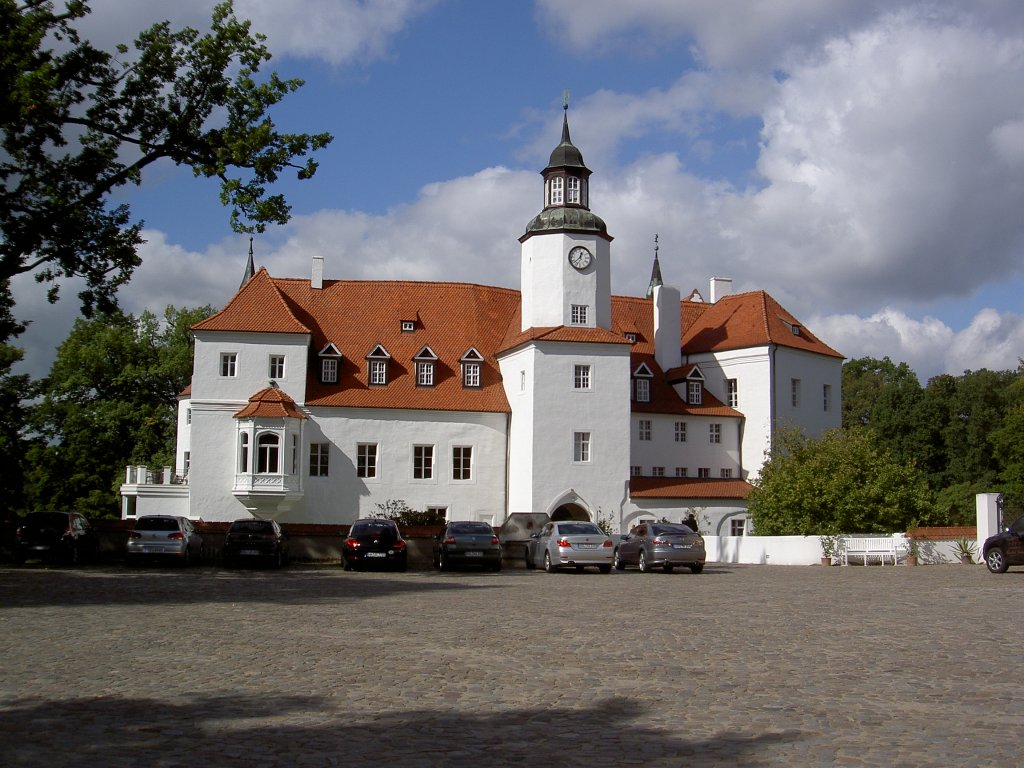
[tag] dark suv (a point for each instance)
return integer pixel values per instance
(63, 536)
(1005, 548)
(255, 541)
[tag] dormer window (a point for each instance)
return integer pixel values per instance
(408, 326)
(471, 364)
(631, 338)
(642, 383)
(377, 366)
(330, 359)
(694, 392)
(425, 361)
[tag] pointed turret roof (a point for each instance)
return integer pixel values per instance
(655, 272)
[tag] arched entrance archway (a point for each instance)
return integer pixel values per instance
(569, 512)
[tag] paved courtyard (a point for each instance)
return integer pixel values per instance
(311, 666)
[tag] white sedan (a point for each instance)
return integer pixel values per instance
(570, 544)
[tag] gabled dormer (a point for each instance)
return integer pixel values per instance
(426, 367)
(472, 366)
(377, 364)
(642, 376)
(330, 361)
(695, 387)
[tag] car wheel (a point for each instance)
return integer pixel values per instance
(280, 560)
(619, 565)
(644, 566)
(604, 568)
(668, 568)
(697, 567)
(186, 561)
(530, 565)
(548, 565)
(346, 564)
(995, 560)
(442, 561)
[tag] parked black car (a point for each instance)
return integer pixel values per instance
(255, 541)
(374, 542)
(1005, 548)
(467, 543)
(61, 536)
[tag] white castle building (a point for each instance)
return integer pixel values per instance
(317, 401)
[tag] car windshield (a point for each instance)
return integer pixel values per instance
(469, 528)
(372, 527)
(251, 526)
(47, 519)
(676, 530)
(156, 524)
(1018, 525)
(569, 529)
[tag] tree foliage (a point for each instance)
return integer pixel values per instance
(110, 400)
(79, 123)
(403, 514)
(840, 483)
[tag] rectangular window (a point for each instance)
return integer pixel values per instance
(556, 191)
(329, 370)
(295, 454)
(732, 393)
(643, 390)
(634, 470)
(645, 429)
(579, 314)
(440, 512)
(229, 364)
(188, 415)
(422, 462)
(318, 461)
(522, 381)
(366, 460)
(736, 527)
(378, 372)
(715, 433)
(827, 396)
(680, 431)
(462, 462)
(188, 461)
(726, 474)
(471, 374)
(581, 447)
(657, 471)
(424, 374)
(276, 367)
(680, 471)
(573, 191)
(794, 389)
(704, 472)
(581, 377)
(694, 393)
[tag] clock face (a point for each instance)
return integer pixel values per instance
(580, 257)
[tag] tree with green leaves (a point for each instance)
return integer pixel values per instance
(1008, 448)
(109, 401)
(840, 483)
(79, 123)
(15, 390)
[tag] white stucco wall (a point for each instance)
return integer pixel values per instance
(253, 352)
(550, 285)
(697, 451)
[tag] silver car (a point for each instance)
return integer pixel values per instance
(570, 544)
(661, 545)
(164, 537)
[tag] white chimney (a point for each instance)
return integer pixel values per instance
(317, 280)
(668, 339)
(720, 286)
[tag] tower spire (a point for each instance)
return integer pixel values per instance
(655, 271)
(250, 268)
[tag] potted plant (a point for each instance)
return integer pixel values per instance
(831, 546)
(913, 550)
(965, 549)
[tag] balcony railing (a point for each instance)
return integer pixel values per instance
(272, 485)
(139, 475)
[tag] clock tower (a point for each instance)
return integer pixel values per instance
(565, 273)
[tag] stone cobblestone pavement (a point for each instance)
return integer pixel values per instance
(311, 666)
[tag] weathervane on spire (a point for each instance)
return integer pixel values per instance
(655, 271)
(565, 99)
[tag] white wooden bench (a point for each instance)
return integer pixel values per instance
(868, 547)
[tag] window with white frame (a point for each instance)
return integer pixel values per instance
(694, 392)
(276, 367)
(680, 431)
(572, 190)
(471, 374)
(243, 452)
(703, 472)
(422, 462)
(680, 471)
(229, 364)
(319, 454)
(188, 462)
(657, 471)
(268, 454)
(329, 370)
(462, 462)
(737, 526)
(732, 392)
(634, 470)
(642, 387)
(188, 415)
(425, 373)
(715, 433)
(557, 190)
(726, 473)
(581, 377)
(581, 447)
(378, 372)
(295, 455)
(794, 389)
(644, 432)
(366, 460)
(578, 314)
(441, 513)
(827, 396)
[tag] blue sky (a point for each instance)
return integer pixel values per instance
(862, 160)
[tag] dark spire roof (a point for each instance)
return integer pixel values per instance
(566, 155)
(250, 268)
(655, 271)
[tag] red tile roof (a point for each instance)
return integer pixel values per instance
(258, 307)
(687, 488)
(270, 403)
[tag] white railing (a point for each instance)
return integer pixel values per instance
(140, 475)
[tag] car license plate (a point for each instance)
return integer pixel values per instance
(248, 552)
(474, 554)
(682, 546)
(376, 554)
(586, 546)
